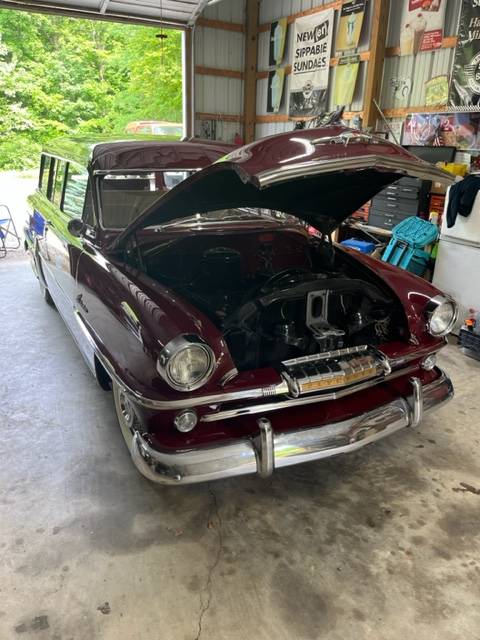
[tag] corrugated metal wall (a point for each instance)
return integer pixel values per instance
(272, 10)
(218, 48)
(226, 50)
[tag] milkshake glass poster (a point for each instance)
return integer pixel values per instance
(459, 130)
(465, 83)
(346, 74)
(311, 47)
(421, 26)
(351, 20)
(278, 33)
(276, 80)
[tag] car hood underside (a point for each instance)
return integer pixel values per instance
(319, 175)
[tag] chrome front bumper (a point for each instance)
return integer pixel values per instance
(270, 450)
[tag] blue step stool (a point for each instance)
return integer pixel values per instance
(406, 248)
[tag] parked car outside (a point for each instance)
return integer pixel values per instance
(233, 340)
(155, 127)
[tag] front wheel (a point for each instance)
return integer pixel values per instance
(125, 413)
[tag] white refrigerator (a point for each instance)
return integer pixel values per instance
(457, 267)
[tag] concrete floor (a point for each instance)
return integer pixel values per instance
(379, 544)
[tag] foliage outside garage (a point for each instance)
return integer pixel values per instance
(64, 76)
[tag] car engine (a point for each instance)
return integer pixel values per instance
(268, 315)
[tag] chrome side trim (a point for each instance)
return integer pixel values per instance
(424, 171)
(284, 449)
(303, 400)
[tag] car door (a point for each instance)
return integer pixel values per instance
(61, 250)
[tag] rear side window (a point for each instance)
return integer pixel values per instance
(45, 164)
(75, 190)
(59, 182)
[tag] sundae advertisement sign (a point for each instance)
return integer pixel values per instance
(351, 20)
(465, 83)
(311, 46)
(422, 26)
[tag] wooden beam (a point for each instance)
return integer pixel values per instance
(250, 75)
(223, 73)
(222, 117)
(281, 117)
(364, 56)
(450, 42)
(375, 65)
(220, 24)
(308, 12)
(401, 112)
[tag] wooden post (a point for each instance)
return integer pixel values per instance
(250, 75)
(375, 64)
(188, 83)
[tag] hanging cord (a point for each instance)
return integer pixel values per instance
(161, 36)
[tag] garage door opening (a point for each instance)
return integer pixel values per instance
(61, 76)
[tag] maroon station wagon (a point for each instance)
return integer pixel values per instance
(234, 341)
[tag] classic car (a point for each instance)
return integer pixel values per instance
(234, 340)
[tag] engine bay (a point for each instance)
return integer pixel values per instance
(276, 295)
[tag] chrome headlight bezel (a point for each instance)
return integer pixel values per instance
(432, 306)
(173, 349)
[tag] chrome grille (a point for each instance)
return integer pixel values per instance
(332, 369)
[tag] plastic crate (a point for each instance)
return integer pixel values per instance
(361, 245)
(469, 342)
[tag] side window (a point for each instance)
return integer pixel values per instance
(75, 190)
(45, 164)
(59, 182)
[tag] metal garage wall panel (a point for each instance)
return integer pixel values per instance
(273, 9)
(219, 48)
(420, 68)
(271, 128)
(227, 10)
(215, 94)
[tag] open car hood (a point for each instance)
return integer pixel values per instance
(318, 175)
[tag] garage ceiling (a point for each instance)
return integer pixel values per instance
(177, 13)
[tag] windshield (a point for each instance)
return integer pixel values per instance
(123, 197)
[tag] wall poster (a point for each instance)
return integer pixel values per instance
(275, 89)
(278, 34)
(465, 83)
(311, 46)
(351, 20)
(422, 26)
(436, 91)
(345, 79)
(459, 130)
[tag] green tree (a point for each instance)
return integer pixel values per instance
(63, 76)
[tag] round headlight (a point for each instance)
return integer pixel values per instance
(442, 314)
(186, 363)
